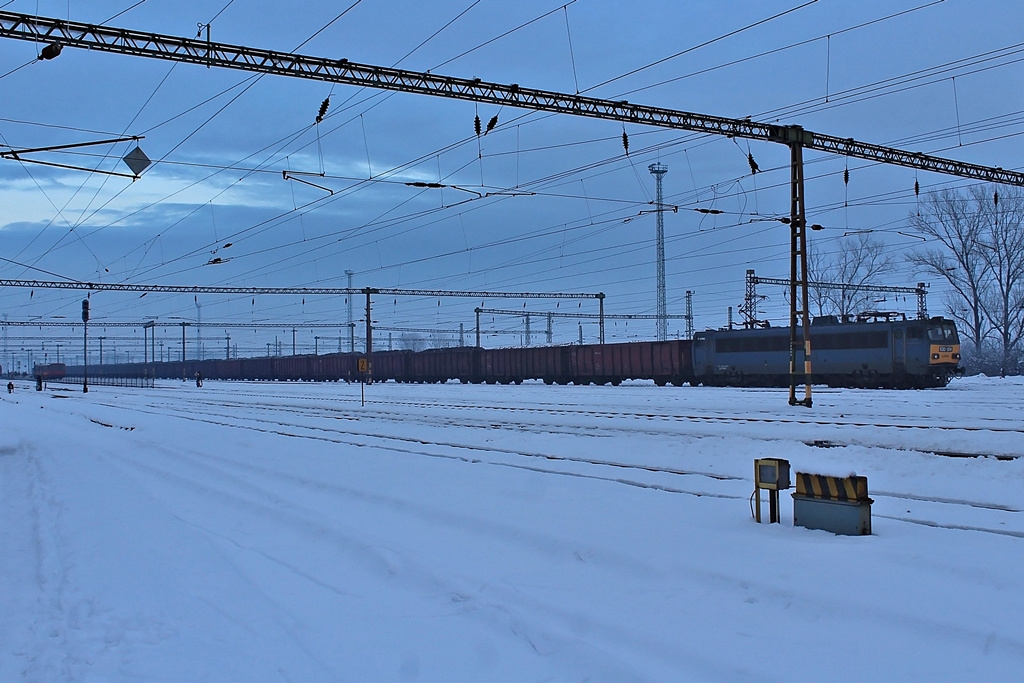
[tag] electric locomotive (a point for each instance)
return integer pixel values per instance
(881, 350)
(50, 371)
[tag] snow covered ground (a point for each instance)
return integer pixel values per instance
(284, 532)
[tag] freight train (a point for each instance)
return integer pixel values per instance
(886, 353)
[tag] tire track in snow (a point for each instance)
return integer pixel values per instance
(231, 483)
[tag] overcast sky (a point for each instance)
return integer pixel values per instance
(564, 209)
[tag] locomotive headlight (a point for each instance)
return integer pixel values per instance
(956, 356)
(935, 356)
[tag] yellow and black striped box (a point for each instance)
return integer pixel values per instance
(848, 489)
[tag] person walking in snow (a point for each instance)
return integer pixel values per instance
(10, 387)
(199, 379)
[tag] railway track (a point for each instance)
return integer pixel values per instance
(275, 402)
(273, 418)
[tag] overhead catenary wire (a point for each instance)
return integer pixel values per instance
(702, 45)
(434, 34)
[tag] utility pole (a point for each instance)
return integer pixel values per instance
(369, 336)
(199, 328)
(659, 170)
(689, 314)
(351, 324)
(149, 336)
(85, 346)
(798, 297)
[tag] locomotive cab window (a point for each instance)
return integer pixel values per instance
(942, 333)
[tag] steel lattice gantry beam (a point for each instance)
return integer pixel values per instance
(590, 316)
(305, 291)
(172, 323)
(197, 51)
(601, 317)
(750, 302)
(61, 33)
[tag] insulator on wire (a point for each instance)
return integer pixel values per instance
(476, 125)
(917, 189)
(491, 124)
(754, 168)
(995, 198)
(323, 109)
(625, 142)
(846, 176)
(50, 51)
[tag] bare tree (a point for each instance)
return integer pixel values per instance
(440, 340)
(1003, 252)
(411, 341)
(956, 223)
(860, 259)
